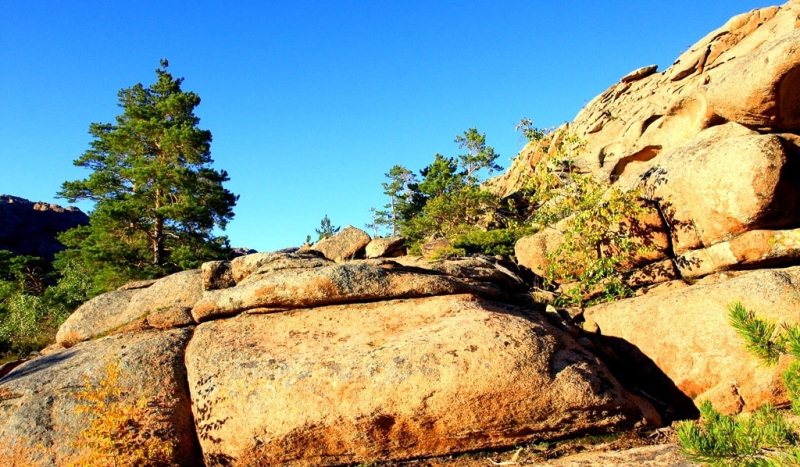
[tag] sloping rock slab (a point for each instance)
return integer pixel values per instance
(355, 281)
(98, 315)
(113, 310)
(391, 380)
(38, 399)
(224, 274)
(475, 268)
(686, 333)
(749, 250)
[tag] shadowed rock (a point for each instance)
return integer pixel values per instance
(29, 228)
(686, 332)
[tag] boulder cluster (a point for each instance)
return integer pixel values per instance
(712, 143)
(317, 358)
(351, 351)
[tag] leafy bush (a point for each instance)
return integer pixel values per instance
(764, 437)
(118, 430)
(26, 323)
(489, 242)
(599, 223)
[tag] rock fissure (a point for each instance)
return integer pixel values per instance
(184, 382)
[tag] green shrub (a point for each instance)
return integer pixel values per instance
(489, 242)
(761, 438)
(764, 437)
(600, 223)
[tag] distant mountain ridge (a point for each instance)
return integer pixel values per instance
(30, 227)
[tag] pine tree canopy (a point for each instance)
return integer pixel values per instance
(157, 198)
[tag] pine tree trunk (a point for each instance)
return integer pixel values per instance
(158, 233)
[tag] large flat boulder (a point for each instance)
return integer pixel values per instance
(685, 331)
(39, 399)
(170, 295)
(224, 274)
(391, 380)
(354, 281)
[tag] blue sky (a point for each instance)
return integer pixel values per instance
(310, 103)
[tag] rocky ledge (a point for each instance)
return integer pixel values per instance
(295, 358)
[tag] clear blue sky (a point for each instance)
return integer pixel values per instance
(310, 103)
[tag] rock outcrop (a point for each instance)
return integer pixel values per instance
(704, 355)
(712, 142)
(39, 400)
(292, 357)
(29, 228)
(321, 356)
(345, 245)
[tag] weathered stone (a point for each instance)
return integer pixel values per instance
(659, 455)
(653, 273)
(747, 71)
(639, 73)
(705, 203)
(113, 310)
(343, 246)
(179, 290)
(473, 268)
(531, 251)
(141, 284)
(432, 249)
(266, 263)
(217, 275)
(686, 332)
(39, 399)
(756, 248)
(762, 90)
(173, 317)
(386, 247)
(392, 380)
(355, 281)
(99, 315)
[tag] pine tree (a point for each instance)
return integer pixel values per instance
(326, 229)
(399, 189)
(157, 198)
(478, 156)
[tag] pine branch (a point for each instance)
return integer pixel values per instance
(759, 334)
